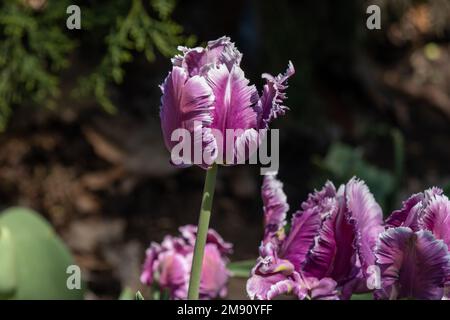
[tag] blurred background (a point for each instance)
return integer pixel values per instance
(80, 139)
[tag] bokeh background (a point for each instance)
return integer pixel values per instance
(79, 112)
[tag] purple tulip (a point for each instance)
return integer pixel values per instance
(413, 253)
(168, 265)
(206, 94)
(329, 246)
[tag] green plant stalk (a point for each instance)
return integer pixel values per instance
(202, 232)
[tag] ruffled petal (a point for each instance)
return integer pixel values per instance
(412, 264)
(215, 274)
(172, 273)
(430, 193)
(320, 260)
(412, 210)
(324, 199)
(273, 95)
(366, 216)
(187, 103)
(436, 218)
(224, 51)
(324, 289)
(235, 99)
(198, 60)
(234, 107)
(315, 289)
(268, 287)
(306, 224)
(275, 204)
(270, 263)
(333, 254)
(304, 228)
(151, 254)
(407, 215)
(246, 145)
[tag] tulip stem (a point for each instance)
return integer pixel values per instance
(202, 232)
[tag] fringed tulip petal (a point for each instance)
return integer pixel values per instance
(234, 107)
(186, 104)
(151, 255)
(407, 215)
(315, 289)
(323, 199)
(436, 218)
(198, 60)
(275, 204)
(304, 228)
(267, 287)
(413, 264)
(215, 274)
(273, 96)
(306, 224)
(333, 254)
(172, 272)
(367, 218)
(410, 214)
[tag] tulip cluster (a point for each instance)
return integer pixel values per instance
(207, 97)
(337, 243)
(168, 265)
(338, 239)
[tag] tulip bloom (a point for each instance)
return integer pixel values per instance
(329, 247)
(413, 253)
(208, 105)
(206, 95)
(168, 265)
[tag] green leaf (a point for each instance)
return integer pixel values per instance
(126, 294)
(139, 296)
(39, 257)
(447, 189)
(241, 269)
(8, 274)
(362, 296)
(163, 7)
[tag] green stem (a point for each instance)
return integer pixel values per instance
(202, 232)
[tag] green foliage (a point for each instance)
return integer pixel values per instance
(8, 274)
(362, 296)
(241, 269)
(447, 189)
(33, 49)
(126, 294)
(136, 32)
(344, 162)
(33, 260)
(138, 296)
(35, 45)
